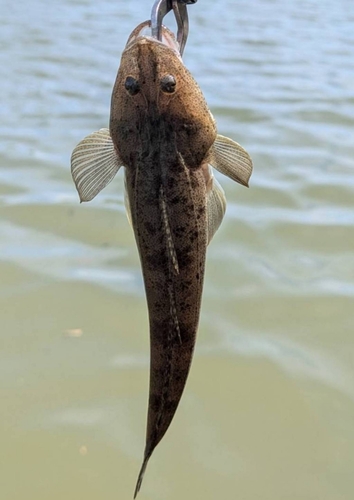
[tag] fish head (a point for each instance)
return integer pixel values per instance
(154, 93)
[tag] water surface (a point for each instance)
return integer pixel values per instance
(268, 411)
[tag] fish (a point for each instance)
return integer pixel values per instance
(164, 135)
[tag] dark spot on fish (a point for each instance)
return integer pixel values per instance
(168, 84)
(185, 259)
(188, 129)
(174, 200)
(170, 183)
(193, 236)
(159, 306)
(187, 289)
(157, 260)
(150, 228)
(200, 212)
(179, 231)
(132, 85)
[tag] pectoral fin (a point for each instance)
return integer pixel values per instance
(94, 163)
(216, 206)
(231, 159)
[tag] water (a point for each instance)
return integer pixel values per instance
(269, 406)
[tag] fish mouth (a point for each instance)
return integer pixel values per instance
(143, 32)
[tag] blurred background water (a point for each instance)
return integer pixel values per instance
(268, 412)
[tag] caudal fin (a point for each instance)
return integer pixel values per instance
(142, 472)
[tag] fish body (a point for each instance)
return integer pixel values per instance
(163, 133)
(172, 131)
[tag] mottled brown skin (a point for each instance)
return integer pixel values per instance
(163, 140)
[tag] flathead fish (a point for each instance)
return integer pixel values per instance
(164, 135)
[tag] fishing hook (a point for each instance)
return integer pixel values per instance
(161, 8)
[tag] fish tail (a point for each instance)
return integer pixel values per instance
(147, 456)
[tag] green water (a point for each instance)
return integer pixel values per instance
(268, 412)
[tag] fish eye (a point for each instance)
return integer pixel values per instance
(132, 85)
(168, 84)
